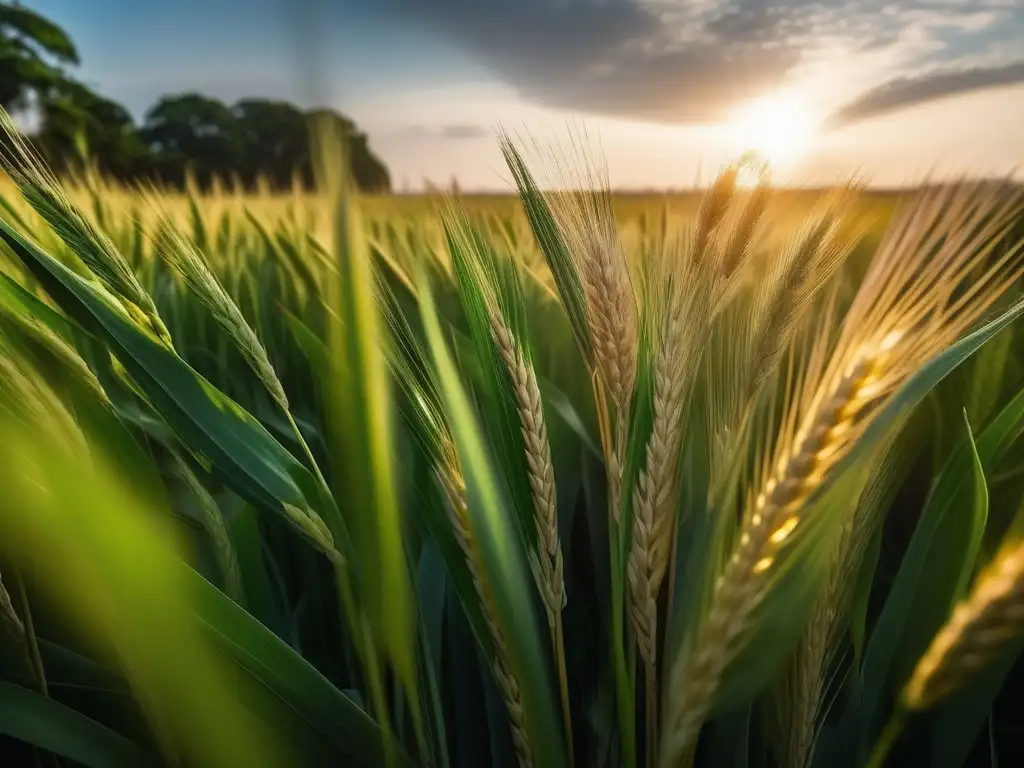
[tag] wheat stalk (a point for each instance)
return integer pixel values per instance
(451, 481)
(978, 629)
(408, 364)
(774, 518)
(9, 618)
(190, 265)
(914, 302)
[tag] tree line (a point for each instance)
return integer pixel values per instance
(181, 134)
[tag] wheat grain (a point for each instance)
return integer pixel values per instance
(611, 314)
(310, 524)
(548, 563)
(988, 620)
(683, 320)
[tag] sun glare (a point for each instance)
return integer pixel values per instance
(779, 128)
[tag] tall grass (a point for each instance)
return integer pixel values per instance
(324, 479)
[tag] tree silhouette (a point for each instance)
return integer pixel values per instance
(32, 52)
(191, 130)
(75, 119)
(275, 141)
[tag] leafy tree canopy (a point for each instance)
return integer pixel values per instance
(181, 134)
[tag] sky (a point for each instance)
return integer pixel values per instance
(666, 91)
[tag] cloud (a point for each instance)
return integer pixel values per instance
(454, 132)
(693, 61)
(910, 91)
(632, 58)
(462, 132)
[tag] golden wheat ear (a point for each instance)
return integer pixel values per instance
(584, 217)
(941, 267)
(782, 292)
(988, 620)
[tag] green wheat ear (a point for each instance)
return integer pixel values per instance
(195, 272)
(45, 194)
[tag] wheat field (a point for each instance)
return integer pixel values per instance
(554, 478)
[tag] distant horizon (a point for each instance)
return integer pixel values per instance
(509, 191)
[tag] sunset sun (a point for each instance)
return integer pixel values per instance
(779, 128)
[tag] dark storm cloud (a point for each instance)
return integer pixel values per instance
(651, 60)
(691, 61)
(908, 92)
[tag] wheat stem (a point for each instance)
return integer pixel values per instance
(558, 640)
(11, 622)
(887, 740)
(508, 685)
(31, 642)
(651, 690)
